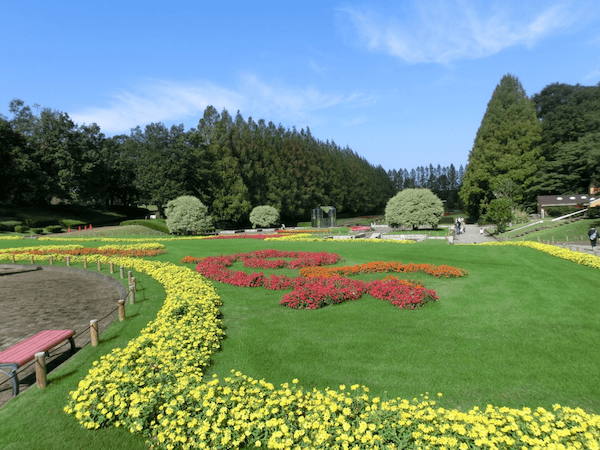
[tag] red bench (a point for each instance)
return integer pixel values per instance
(19, 354)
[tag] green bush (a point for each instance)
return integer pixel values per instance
(21, 229)
(70, 223)
(37, 230)
(593, 213)
(557, 211)
(53, 229)
(264, 216)
(154, 224)
(414, 207)
(187, 214)
(520, 216)
(499, 213)
(9, 225)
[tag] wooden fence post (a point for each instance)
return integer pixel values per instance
(12, 257)
(129, 277)
(99, 265)
(94, 332)
(40, 370)
(31, 259)
(85, 262)
(121, 310)
(121, 271)
(51, 260)
(112, 267)
(68, 261)
(133, 284)
(131, 295)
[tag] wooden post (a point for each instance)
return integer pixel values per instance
(112, 267)
(40, 370)
(131, 295)
(94, 332)
(12, 257)
(31, 259)
(68, 261)
(85, 262)
(121, 310)
(133, 284)
(99, 265)
(121, 271)
(51, 260)
(129, 277)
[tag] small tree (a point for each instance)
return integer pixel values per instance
(186, 214)
(414, 207)
(499, 213)
(264, 216)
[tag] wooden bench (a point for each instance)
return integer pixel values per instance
(19, 354)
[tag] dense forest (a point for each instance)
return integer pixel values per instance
(445, 182)
(231, 164)
(547, 144)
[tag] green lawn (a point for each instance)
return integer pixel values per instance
(515, 332)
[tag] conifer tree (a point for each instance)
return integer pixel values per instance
(506, 147)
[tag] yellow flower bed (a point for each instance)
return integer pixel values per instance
(584, 259)
(308, 238)
(123, 238)
(10, 238)
(155, 385)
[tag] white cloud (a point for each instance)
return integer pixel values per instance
(445, 31)
(163, 101)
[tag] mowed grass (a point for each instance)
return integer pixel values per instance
(520, 330)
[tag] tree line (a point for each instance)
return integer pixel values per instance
(229, 163)
(445, 181)
(529, 146)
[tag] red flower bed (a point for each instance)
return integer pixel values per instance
(244, 236)
(314, 292)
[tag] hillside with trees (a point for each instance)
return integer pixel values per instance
(232, 165)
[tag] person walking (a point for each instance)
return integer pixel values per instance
(457, 226)
(593, 235)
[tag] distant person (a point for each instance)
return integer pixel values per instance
(593, 235)
(457, 226)
(481, 231)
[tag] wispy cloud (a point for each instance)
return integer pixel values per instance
(164, 101)
(445, 31)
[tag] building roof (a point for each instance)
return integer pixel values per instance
(566, 200)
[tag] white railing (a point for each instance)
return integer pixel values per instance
(569, 215)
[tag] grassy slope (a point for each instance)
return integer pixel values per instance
(514, 332)
(561, 232)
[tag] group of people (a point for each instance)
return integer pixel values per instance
(460, 225)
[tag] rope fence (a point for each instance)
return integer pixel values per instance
(85, 334)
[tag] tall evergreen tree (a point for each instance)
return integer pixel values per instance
(506, 146)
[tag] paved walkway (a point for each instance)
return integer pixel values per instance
(473, 235)
(35, 298)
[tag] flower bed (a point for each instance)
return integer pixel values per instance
(383, 267)
(584, 259)
(312, 291)
(60, 252)
(155, 386)
(360, 228)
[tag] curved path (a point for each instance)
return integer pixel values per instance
(36, 298)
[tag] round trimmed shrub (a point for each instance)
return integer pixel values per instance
(187, 214)
(264, 216)
(414, 207)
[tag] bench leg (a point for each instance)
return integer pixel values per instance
(12, 374)
(72, 342)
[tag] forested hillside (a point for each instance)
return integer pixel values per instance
(547, 144)
(231, 164)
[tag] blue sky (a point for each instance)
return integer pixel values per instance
(402, 83)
